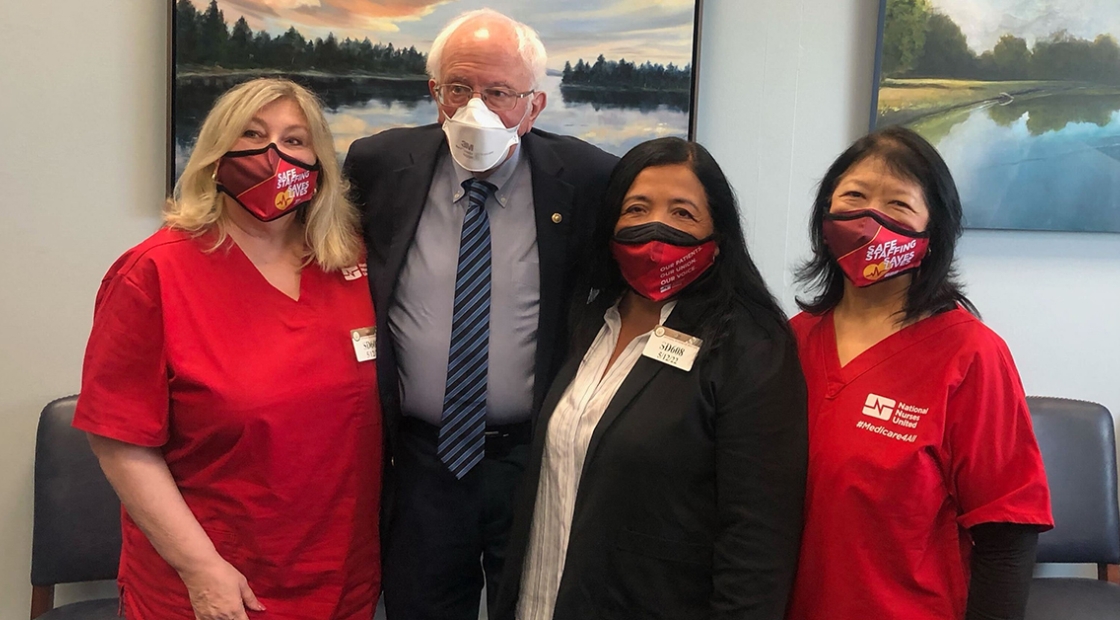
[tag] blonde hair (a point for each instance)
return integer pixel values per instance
(528, 44)
(330, 221)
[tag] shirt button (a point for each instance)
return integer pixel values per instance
(557, 218)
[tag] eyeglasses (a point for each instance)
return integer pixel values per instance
(496, 98)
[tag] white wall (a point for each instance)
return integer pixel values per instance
(82, 100)
(785, 86)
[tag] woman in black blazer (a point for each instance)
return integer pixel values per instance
(668, 465)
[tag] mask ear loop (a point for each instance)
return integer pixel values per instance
(214, 178)
(528, 107)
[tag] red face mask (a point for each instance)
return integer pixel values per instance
(871, 247)
(657, 260)
(266, 182)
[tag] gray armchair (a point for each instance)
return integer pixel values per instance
(1078, 446)
(77, 527)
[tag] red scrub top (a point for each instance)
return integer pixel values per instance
(269, 423)
(917, 439)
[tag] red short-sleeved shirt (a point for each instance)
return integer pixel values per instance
(920, 437)
(269, 423)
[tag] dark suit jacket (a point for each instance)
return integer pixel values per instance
(390, 173)
(690, 500)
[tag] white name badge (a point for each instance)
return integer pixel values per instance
(365, 343)
(672, 347)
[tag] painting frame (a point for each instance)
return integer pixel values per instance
(1093, 203)
(877, 74)
(175, 109)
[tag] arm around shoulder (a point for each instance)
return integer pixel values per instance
(596, 164)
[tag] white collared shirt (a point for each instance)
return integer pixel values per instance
(569, 433)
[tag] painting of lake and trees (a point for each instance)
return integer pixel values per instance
(1022, 99)
(619, 71)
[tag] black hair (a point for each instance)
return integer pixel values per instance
(934, 287)
(732, 282)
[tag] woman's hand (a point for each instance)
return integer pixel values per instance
(219, 592)
(142, 480)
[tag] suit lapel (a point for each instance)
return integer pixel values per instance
(412, 182)
(644, 371)
(552, 206)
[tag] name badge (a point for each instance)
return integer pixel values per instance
(365, 343)
(672, 347)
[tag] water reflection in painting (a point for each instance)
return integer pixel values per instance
(1021, 97)
(619, 71)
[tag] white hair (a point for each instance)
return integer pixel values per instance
(528, 44)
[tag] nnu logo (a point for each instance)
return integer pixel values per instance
(879, 407)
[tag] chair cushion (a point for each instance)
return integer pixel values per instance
(100, 609)
(1073, 599)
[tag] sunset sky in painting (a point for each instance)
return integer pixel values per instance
(985, 21)
(638, 30)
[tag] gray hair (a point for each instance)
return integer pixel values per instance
(528, 44)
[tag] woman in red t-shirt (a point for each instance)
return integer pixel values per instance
(926, 490)
(228, 387)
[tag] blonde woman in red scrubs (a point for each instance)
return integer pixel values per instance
(926, 490)
(228, 387)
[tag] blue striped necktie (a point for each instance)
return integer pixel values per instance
(462, 440)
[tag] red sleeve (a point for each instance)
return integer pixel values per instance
(124, 376)
(996, 467)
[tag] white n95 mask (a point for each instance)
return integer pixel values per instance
(478, 138)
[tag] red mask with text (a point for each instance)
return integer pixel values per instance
(871, 247)
(657, 260)
(266, 182)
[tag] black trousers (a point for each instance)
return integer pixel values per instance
(447, 537)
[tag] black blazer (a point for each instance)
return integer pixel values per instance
(690, 501)
(390, 173)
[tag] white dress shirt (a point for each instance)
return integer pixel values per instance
(569, 432)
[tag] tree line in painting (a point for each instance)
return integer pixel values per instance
(203, 38)
(613, 74)
(919, 41)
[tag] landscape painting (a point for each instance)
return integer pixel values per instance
(619, 71)
(1021, 98)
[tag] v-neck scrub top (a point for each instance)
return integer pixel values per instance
(269, 422)
(917, 439)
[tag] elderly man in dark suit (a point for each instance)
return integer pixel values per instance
(475, 228)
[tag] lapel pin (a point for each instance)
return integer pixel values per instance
(557, 218)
